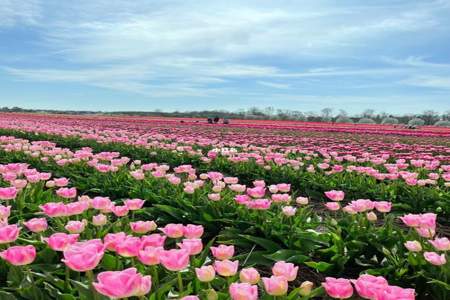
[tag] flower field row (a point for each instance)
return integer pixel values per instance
(413, 176)
(158, 223)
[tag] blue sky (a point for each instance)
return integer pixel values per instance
(391, 56)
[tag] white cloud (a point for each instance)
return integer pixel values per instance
(275, 85)
(22, 12)
(415, 61)
(438, 82)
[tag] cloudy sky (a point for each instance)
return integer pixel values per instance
(389, 55)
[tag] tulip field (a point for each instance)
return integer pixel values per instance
(99, 207)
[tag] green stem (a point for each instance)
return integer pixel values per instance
(229, 280)
(180, 283)
(67, 279)
(155, 276)
(90, 276)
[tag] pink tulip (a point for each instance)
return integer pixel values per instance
(396, 293)
(413, 246)
(434, 258)
(349, 209)
(138, 175)
(275, 285)
(333, 206)
(287, 270)
(150, 255)
(5, 212)
(76, 208)
(123, 284)
(119, 210)
(191, 297)
(54, 209)
(302, 200)
(249, 275)
(36, 224)
(189, 189)
(215, 176)
(154, 240)
(129, 246)
(223, 252)
(383, 206)
(75, 226)
(237, 188)
(143, 226)
(335, 195)
(67, 193)
(205, 273)
(61, 182)
(33, 178)
(112, 239)
(256, 192)
(289, 211)
(8, 193)
(19, 255)
(338, 288)
(362, 205)
(84, 256)
(411, 220)
(192, 231)
(134, 204)
(231, 180)
(214, 196)
(99, 220)
(174, 180)
(259, 204)
(284, 187)
(173, 230)
(259, 183)
(101, 203)
(20, 183)
(9, 233)
(61, 241)
(226, 267)
(278, 198)
(193, 246)
(441, 244)
(425, 232)
(369, 286)
(428, 220)
(175, 259)
(242, 199)
(243, 291)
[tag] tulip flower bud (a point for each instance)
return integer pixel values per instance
(371, 216)
(211, 294)
(305, 288)
(50, 184)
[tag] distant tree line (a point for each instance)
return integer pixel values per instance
(369, 116)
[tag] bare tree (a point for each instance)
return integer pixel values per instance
(368, 113)
(343, 113)
(446, 115)
(327, 114)
(269, 111)
(430, 117)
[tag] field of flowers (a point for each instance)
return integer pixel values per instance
(150, 208)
